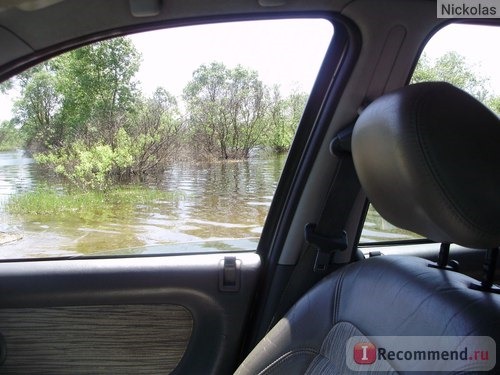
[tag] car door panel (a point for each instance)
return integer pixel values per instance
(124, 315)
(145, 339)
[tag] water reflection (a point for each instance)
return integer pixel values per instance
(214, 202)
(228, 200)
(16, 170)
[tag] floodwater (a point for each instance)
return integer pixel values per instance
(216, 206)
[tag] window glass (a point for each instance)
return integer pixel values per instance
(168, 141)
(463, 55)
(377, 229)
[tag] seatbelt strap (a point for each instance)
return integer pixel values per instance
(319, 254)
(328, 235)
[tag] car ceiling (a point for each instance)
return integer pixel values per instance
(33, 26)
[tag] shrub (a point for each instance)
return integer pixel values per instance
(94, 167)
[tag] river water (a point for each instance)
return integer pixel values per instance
(214, 206)
(217, 206)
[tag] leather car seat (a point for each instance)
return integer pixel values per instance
(428, 158)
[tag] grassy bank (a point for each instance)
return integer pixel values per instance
(46, 201)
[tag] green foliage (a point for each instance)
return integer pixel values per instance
(37, 108)
(97, 82)
(453, 68)
(494, 104)
(9, 136)
(226, 110)
(82, 116)
(5, 86)
(284, 116)
(156, 130)
(71, 162)
(65, 98)
(91, 166)
(87, 204)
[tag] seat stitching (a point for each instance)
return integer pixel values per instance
(287, 356)
(337, 293)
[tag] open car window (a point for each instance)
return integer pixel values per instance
(459, 54)
(168, 141)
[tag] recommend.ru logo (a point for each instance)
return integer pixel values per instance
(421, 353)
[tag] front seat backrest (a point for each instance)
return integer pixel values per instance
(428, 159)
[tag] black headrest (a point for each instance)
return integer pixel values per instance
(428, 158)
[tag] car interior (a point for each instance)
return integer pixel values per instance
(423, 155)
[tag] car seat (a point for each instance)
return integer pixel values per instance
(428, 158)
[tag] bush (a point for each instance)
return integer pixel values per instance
(94, 167)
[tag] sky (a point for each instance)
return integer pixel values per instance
(284, 52)
(479, 44)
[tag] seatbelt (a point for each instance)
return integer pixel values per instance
(319, 255)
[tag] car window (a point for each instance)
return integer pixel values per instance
(167, 141)
(462, 55)
(377, 229)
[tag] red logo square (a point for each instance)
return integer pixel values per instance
(365, 353)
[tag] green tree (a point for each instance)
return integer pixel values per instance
(144, 142)
(284, 116)
(97, 85)
(157, 132)
(5, 86)
(37, 110)
(9, 136)
(226, 109)
(76, 110)
(494, 104)
(452, 68)
(82, 94)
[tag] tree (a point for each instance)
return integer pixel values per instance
(452, 68)
(494, 104)
(75, 112)
(156, 132)
(97, 85)
(38, 107)
(9, 136)
(82, 94)
(5, 86)
(226, 109)
(284, 116)
(144, 141)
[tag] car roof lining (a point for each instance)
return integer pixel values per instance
(23, 54)
(94, 17)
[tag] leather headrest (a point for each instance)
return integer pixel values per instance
(428, 158)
